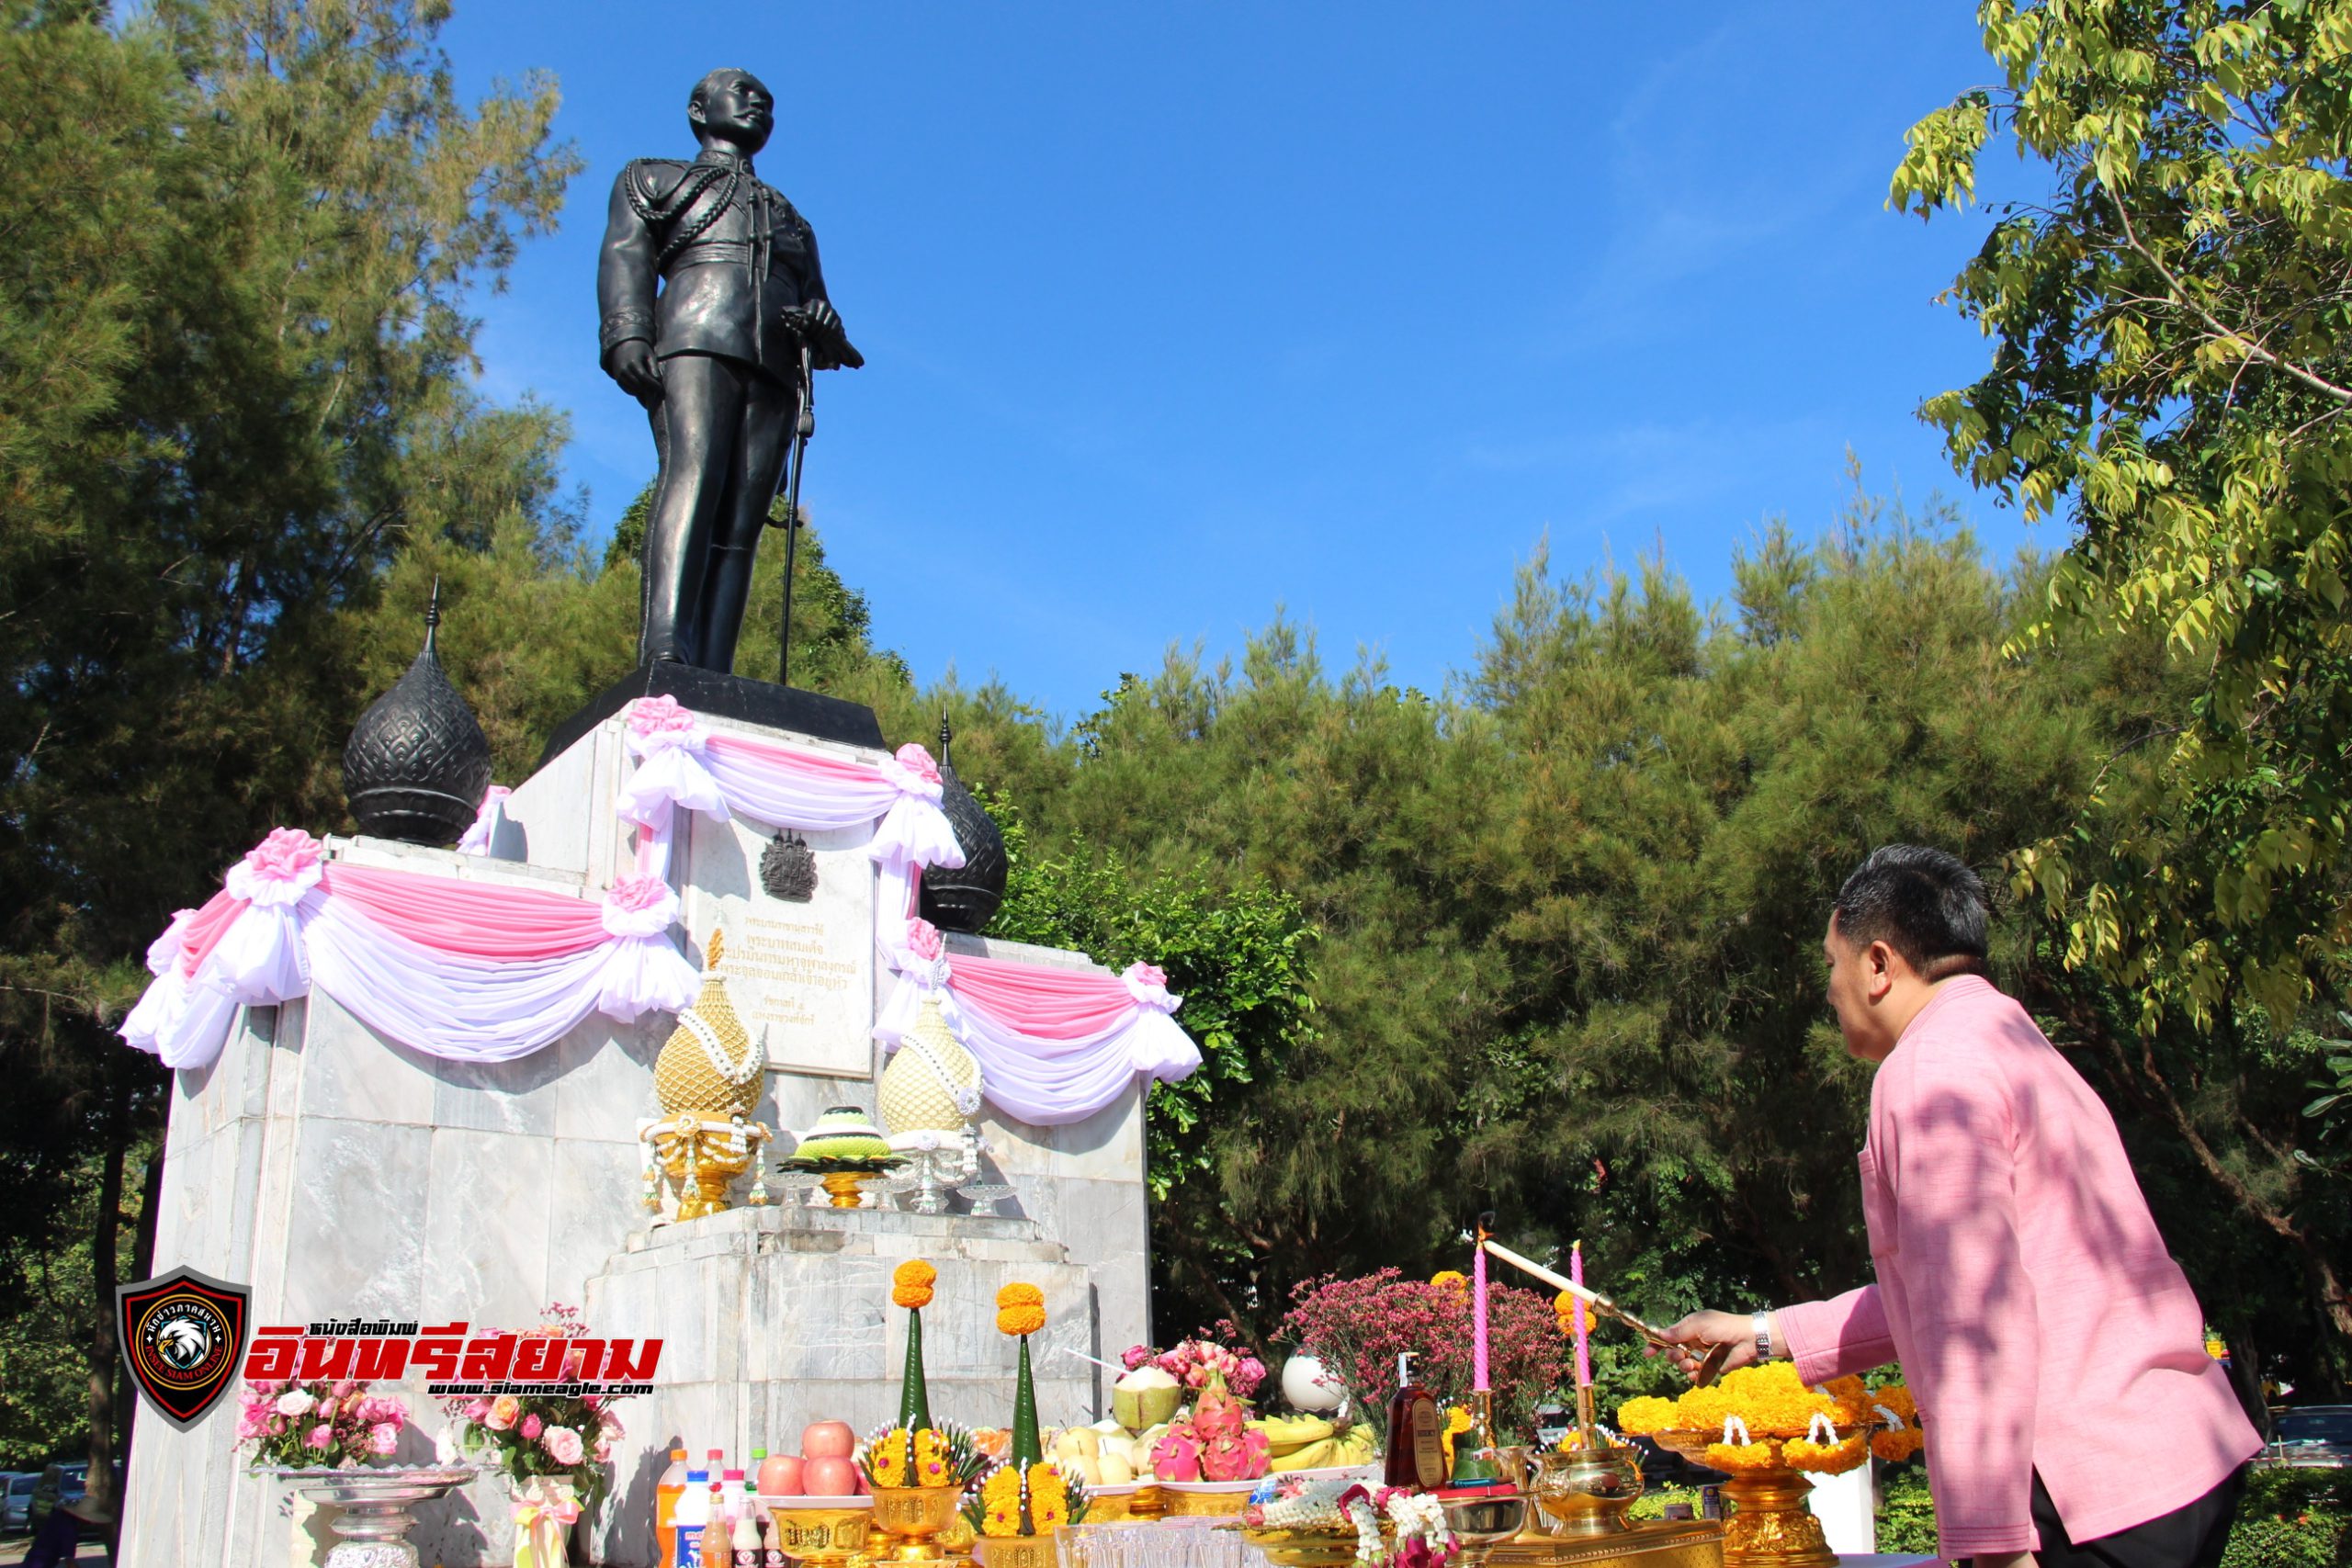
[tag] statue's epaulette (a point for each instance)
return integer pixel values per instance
(651, 181)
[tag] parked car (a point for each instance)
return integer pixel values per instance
(17, 1499)
(2311, 1437)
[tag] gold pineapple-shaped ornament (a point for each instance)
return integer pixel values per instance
(934, 1083)
(708, 1080)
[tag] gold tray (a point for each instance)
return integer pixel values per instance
(1653, 1543)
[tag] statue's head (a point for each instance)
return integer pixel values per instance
(735, 106)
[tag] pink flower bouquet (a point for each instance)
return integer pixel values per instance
(566, 1435)
(316, 1425)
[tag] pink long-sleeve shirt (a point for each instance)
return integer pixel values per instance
(2021, 1282)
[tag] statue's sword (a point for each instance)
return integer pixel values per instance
(1710, 1366)
(802, 430)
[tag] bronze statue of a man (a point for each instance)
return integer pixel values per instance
(717, 358)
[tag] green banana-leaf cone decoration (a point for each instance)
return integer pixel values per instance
(1027, 1447)
(914, 1394)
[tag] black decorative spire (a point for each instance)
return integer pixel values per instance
(964, 899)
(417, 764)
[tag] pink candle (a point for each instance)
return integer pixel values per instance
(1478, 1316)
(1584, 1342)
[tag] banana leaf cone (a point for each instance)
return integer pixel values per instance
(914, 1394)
(1026, 1448)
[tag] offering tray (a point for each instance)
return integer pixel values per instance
(821, 1529)
(1653, 1543)
(1331, 1547)
(1770, 1527)
(375, 1502)
(1216, 1499)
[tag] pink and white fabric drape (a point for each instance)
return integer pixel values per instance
(467, 971)
(1054, 1045)
(680, 763)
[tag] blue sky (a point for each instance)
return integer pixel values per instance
(1178, 313)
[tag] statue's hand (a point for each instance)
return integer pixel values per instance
(633, 366)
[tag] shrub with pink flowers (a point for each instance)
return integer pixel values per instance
(1193, 1362)
(567, 1435)
(321, 1425)
(1357, 1327)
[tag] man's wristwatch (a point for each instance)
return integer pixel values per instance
(1762, 1323)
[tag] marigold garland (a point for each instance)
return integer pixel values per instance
(1825, 1459)
(1451, 1280)
(1640, 1418)
(910, 1284)
(1020, 1295)
(1742, 1456)
(1000, 1502)
(1896, 1447)
(1048, 1499)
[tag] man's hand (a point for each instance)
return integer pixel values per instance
(1695, 1334)
(632, 364)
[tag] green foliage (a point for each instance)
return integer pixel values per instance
(1906, 1515)
(1239, 958)
(2292, 1518)
(2169, 365)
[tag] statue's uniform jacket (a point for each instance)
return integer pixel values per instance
(734, 257)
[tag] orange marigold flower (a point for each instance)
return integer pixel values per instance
(1020, 1295)
(1020, 1318)
(1451, 1278)
(910, 1284)
(1639, 1417)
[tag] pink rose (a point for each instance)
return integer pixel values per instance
(563, 1445)
(532, 1426)
(326, 1409)
(1136, 1354)
(923, 939)
(294, 1402)
(917, 761)
(649, 716)
(345, 1389)
(277, 1426)
(610, 1424)
(383, 1437)
(321, 1437)
(603, 1449)
(477, 1411)
(286, 854)
(505, 1411)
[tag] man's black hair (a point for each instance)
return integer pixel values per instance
(1923, 903)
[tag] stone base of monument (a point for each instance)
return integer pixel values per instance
(819, 1281)
(342, 1175)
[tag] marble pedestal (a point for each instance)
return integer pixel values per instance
(340, 1174)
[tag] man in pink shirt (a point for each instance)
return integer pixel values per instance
(2055, 1349)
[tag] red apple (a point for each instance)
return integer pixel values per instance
(829, 1477)
(827, 1440)
(780, 1475)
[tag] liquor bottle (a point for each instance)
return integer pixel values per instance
(688, 1523)
(1415, 1457)
(772, 1552)
(666, 1492)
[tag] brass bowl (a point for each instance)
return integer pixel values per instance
(1587, 1491)
(1482, 1521)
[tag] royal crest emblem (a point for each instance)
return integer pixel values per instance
(183, 1338)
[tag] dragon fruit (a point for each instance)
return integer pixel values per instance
(1215, 1442)
(1177, 1456)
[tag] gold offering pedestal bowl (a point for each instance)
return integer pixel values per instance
(915, 1518)
(1770, 1525)
(1331, 1547)
(704, 1157)
(1584, 1491)
(822, 1529)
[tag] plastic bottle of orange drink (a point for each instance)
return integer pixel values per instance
(666, 1492)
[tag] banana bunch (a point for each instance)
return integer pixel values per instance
(1309, 1442)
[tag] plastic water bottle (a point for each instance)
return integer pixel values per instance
(691, 1517)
